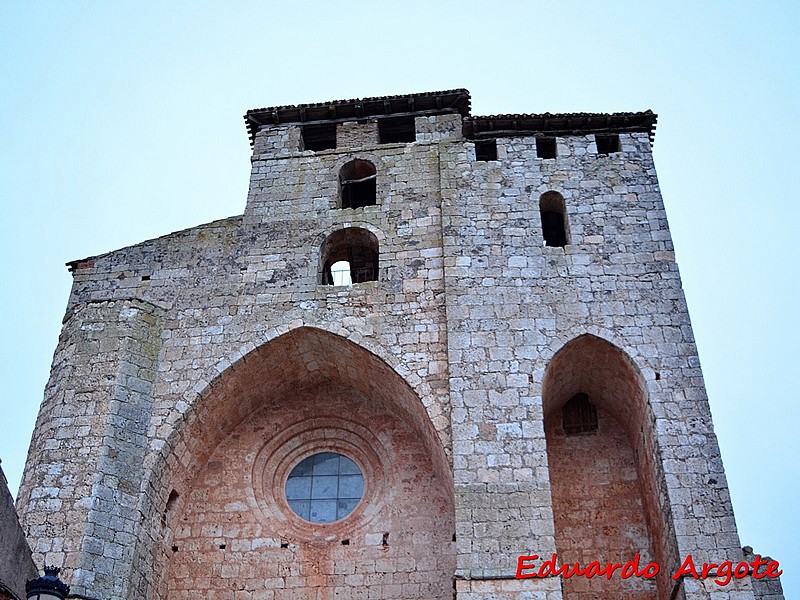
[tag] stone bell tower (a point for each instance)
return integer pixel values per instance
(432, 343)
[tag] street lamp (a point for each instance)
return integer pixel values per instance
(48, 587)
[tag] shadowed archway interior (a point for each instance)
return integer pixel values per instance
(228, 524)
(605, 477)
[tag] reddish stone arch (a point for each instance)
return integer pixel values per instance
(607, 484)
(305, 391)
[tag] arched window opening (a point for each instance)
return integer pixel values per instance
(349, 256)
(357, 184)
(315, 456)
(554, 219)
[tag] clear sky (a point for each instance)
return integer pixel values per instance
(122, 121)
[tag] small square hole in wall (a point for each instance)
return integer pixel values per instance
(397, 130)
(546, 147)
(607, 143)
(319, 137)
(485, 150)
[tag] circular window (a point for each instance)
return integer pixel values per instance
(325, 487)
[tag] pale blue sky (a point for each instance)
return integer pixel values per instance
(122, 121)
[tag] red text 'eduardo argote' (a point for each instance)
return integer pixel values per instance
(722, 573)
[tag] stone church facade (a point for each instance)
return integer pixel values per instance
(432, 343)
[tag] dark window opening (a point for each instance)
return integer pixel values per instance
(579, 415)
(349, 256)
(554, 225)
(546, 147)
(486, 150)
(173, 497)
(357, 182)
(319, 137)
(553, 229)
(606, 144)
(397, 130)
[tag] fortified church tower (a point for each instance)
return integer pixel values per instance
(433, 342)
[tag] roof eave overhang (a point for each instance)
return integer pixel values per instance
(427, 103)
(559, 125)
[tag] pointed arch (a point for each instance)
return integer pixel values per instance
(591, 362)
(607, 480)
(305, 391)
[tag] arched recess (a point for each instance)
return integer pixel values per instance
(606, 478)
(226, 521)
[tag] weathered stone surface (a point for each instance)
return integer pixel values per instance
(190, 364)
(16, 564)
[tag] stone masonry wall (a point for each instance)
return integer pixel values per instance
(225, 289)
(765, 588)
(513, 302)
(16, 564)
(467, 312)
(81, 486)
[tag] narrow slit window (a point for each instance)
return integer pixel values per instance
(546, 147)
(607, 143)
(554, 219)
(397, 130)
(319, 137)
(486, 150)
(357, 183)
(579, 415)
(173, 497)
(349, 256)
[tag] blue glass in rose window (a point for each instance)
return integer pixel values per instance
(325, 487)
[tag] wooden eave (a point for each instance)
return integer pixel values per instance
(428, 103)
(559, 125)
